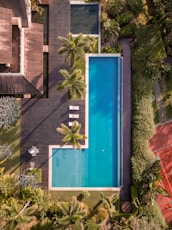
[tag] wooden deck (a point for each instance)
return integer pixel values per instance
(41, 117)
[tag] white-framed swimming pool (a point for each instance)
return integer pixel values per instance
(98, 166)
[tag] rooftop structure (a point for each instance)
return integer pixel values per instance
(21, 47)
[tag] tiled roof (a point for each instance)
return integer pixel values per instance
(16, 85)
(33, 58)
(5, 36)
(18, 8)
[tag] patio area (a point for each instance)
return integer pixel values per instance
(41, 117)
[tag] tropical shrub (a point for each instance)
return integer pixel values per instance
(9, 112)
(31, 177)
(128, 30)
(114, 7)
(136, 6)
(124, 18)
(91, 225)
(5, 151)
(109, 29)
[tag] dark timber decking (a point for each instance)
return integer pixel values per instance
(125, 192)
(41, 117)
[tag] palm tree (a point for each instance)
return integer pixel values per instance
(74, 81)
(72, 135)
(70, 212)
(14, 213)
(73, 47)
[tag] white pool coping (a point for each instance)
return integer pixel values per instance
(51, 147)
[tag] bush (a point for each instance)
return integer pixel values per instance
(128, 30)
(31, 177)
(109, 30)
(142, 126)
(91, 225)
(136, 6)
(100, 215)
(8, 112)
(5, 151)
(114, 7)
(124, 18)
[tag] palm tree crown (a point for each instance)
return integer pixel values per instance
(74, 82)
(72, 135)
(73, 47)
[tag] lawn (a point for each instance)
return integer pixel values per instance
(92, 201)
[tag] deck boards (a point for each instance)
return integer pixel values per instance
(41, 117)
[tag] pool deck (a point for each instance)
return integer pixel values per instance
(40, 117)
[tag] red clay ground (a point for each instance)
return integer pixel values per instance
(161, 145)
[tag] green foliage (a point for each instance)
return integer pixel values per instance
(114, 7)
(37, 173)
(8, 186)
(15, 214)
(154, 49)
(31, 177)
(9, 112)
(111, 203)
(152, 213)
(128, 30)
(100, 215)
(136, 6)
(72, 135)
(109, 29)
(73, 47)
(112, 49)
(124, 18)
(70, 212)
(5, 151)
(74, 82)
(91, 225)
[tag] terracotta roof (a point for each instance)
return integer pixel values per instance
(18, 8)
(33, 58)
(5, 36)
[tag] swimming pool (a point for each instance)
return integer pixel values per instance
(99, 165)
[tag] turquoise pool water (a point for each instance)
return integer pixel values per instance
(100, 164)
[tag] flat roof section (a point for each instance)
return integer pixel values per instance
(5, 36)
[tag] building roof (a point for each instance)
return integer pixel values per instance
(18, 8)
(33, 58)
(30, 78)
(11, 85)
(5, 36)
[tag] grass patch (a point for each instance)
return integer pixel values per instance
(92, 201)
(12, 137)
